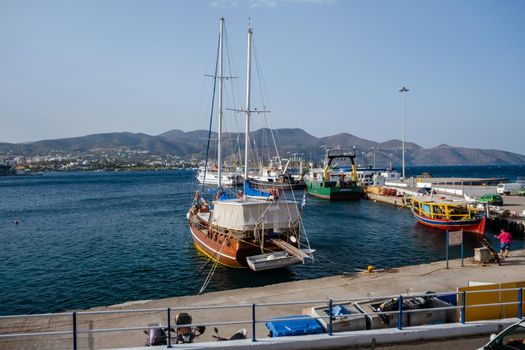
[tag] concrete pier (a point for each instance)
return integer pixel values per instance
(421, 278)
(393, 200)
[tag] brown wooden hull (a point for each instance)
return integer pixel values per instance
(220, 252)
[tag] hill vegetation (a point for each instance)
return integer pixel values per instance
(192, 144)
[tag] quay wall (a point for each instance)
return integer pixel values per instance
(418, 279)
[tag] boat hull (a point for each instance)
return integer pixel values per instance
(226, 256)
(319, 190)
(299, 185)
(474, 225)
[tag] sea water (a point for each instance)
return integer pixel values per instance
(103, 238)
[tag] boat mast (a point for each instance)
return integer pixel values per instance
(247, 110)
(219, 136)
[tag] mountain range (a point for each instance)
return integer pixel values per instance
(289, 142)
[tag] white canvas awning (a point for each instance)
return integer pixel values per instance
(243, 214)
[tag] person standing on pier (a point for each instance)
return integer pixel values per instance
(504, 239)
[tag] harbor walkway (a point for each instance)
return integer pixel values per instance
(420, 278)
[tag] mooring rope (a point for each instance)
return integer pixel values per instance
(212, 270)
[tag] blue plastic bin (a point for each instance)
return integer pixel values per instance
(282, 326)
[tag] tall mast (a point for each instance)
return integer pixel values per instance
(247, 110)
(219, 137)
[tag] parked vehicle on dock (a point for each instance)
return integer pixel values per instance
(186, 333)
(510, 188)
(491, 199)
(156, 334)
(446, 214)
(240, 334)
(512, 337)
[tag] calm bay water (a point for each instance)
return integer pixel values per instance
(91, 239)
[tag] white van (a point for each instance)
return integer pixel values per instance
(509, 187)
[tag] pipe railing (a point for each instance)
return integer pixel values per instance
(399, 311)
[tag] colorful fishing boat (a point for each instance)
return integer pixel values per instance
(256, 229)
(446, 214)
(334, 182)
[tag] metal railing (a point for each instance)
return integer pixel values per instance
(75, 331)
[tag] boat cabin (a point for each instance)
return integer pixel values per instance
(443, 210)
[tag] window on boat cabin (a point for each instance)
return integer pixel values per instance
(459, 210)
(439, 210)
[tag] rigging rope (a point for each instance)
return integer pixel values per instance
(211, 113)
(264, 97)
(237, 146)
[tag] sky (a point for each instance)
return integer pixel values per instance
(73, 68)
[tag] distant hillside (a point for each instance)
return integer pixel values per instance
(398, 144)
(96, 142)
(289, 141)
(464, 156)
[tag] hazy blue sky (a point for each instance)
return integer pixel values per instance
(72, 68)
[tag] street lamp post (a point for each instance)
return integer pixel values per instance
(403, 91)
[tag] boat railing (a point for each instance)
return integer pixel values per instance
(77, 323)
(441, 215)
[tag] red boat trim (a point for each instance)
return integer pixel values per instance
(474, 225)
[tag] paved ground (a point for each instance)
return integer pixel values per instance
(420, 278)
(455, 344)
(470, 343)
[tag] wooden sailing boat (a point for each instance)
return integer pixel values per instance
(261, 233)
